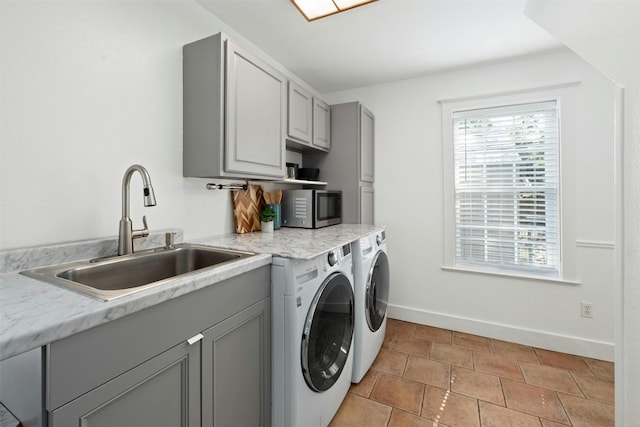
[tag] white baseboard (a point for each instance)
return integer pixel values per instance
(540, 339)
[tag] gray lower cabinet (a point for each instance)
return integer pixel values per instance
(199, 359)
(163, 391)
(236, 370)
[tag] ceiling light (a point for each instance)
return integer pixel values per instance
(316, 9)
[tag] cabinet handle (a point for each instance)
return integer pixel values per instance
(194, 339)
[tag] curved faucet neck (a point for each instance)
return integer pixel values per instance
(126, 233)
(126, 184)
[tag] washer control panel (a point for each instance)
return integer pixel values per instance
(336, 255)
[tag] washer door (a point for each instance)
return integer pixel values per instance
(377, 292)
(328, 332)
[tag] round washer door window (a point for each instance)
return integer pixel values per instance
(328, 332)
(377, 292)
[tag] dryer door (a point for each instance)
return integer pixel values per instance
(377, 292)
(328, 332)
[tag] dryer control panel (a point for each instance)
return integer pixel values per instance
(381, 238)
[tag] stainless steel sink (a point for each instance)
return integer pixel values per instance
(118, 276)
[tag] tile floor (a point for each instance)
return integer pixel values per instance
(426, 376)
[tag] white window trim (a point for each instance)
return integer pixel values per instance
(564, 95)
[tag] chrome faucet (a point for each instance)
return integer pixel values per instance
(127, 233)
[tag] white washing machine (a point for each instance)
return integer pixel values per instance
(312, 334)
(371, 288)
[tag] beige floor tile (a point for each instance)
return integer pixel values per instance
(473, 342)
(594, 388)
(477, 384)
(399, 393)
(550, 377)
(404, 419)
(356, 411)
(388, 340)
(588, 413)
(496, 364)
(429, 372)
(364, 387)
(433, 334)
(468, 381)
(517, 351)
(399, 327)
(562, 360)
(449, 408)
(534, 400)
(496, 416)
(454, 355)
(410, 345)
(601, 369)
(390, 362)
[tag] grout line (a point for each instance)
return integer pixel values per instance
(564, 408)
(573, 378)
(524, 378)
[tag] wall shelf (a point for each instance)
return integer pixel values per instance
(298, 182)
(244, 186)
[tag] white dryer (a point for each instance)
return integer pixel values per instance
(371, 287)
(312, 333)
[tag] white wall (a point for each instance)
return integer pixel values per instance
(607, 36)
(409, 194)
(88, 89)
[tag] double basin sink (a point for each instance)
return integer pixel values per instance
(115, 277)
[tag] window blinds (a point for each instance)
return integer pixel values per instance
(506, 187)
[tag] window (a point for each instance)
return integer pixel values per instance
(506, 187)
(509, 181)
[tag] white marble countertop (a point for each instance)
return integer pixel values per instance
(34, 313)
(293, 242)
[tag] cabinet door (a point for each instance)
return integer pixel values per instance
(255, 116)
(236, 370)
(366, 205)
(164, 391)
(321, 124)
(300, 123)
(367, 138)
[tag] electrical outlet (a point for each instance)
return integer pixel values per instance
(587, 309)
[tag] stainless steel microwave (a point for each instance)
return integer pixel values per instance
(311, 208)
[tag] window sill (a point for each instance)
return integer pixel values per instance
(513, 275)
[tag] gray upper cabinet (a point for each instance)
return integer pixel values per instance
(234, 112)
(349, 166)
(300, 114)
(321, 124)
(366, 144)
(308, 121)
